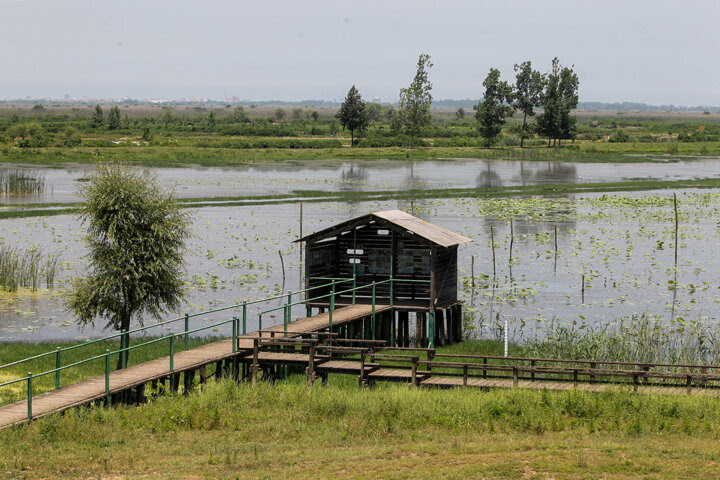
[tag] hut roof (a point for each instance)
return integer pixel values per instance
(427, 231)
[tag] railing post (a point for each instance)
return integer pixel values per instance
(260, 322)
(29, 395)
(234, 334)
(431, 327)
(107, 374)
(286, 318)
(372, 326)
(332, 304)
(57, 368)
(391, 292)
(244, 310)
(172, 353)
(123, 359)
(187, 335)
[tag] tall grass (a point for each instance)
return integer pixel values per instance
(21, 182)
(638, 338)
(26, 268)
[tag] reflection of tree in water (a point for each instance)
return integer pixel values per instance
(413, 181)
(353, 178)
(556, 172)
(488, 178)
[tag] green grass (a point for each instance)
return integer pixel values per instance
(13, 351)
(292, 431)
(175, 156)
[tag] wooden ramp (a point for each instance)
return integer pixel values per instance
(94, 388)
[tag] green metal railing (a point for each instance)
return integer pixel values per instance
(239, 327)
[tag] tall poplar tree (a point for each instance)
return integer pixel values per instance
(414, 105)
(529, 86)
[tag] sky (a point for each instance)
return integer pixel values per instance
(656, 52)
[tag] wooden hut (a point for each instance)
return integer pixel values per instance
(412, 263)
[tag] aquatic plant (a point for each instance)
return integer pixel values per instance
(25, 268)
(17, 181)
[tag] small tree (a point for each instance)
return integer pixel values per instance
(135, 236)
(98, 119)
(459, 113)
(70, 137)
(529, 86)
(414, 105)
(352, 113)
(114, 118)
(279, 114)
(496, 106)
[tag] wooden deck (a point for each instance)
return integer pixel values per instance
(94, 388)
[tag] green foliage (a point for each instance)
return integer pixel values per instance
(352, 113)
(460, 113)
(414, 104)
(529, 86)
(114, 118)
(396, 141)
(493, 111)
(98, 118)
(70, 137)
(279, 114)
(619, 136)
(559, 98)
(273, 143)
(135, 237)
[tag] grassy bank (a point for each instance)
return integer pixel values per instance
(13, 351)
(316, 196)
(292, 431)
(176, 156)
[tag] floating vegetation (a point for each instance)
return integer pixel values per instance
(16, 181)
(26, 268)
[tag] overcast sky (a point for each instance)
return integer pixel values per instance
(657, 52)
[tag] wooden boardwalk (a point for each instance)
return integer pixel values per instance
(93, 389)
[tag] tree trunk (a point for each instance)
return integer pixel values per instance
(549, 140)
(522, 132)
(124, 340)
(352, 138)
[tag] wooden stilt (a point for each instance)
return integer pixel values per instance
(203, 375)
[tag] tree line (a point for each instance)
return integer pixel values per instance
(556, 92)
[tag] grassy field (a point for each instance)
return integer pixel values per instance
(292, 431)
(176, 156)
(287, 430)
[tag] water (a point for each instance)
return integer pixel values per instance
(622, 244)
(369, 175)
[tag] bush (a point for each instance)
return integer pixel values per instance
(273, 143)
(620, 136)
(396, 141)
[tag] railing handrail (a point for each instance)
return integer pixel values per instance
(155, 325)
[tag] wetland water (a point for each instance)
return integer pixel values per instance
(622, 243)
(369, 175)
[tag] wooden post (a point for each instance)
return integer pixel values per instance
(413, 372)
(311, 365)
(203, 375)
(515, 376)
(255, 362)
(676, 227)
(556, 252)
(472, 272)
(512, 239)
(465, 375)
(492, 245)
(582, 288)
(282, 264)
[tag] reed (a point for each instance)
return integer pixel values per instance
(15, 181)
(26, 268)
(638, 338)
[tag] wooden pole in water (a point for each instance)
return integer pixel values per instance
(512, 238)
(556, 252)
(492, 244)
(676, 227)
(582, 288)
(282, 264)
(300, 273)
(472, 272)
(412, 207)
